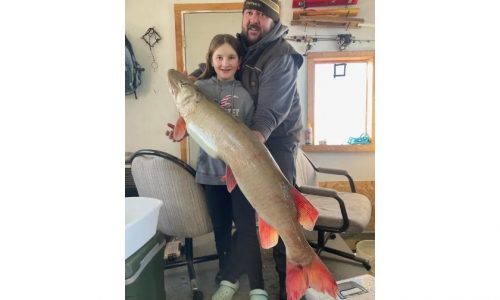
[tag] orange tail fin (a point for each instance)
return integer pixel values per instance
(307, 213)
(315, 275)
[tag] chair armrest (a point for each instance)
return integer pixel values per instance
(332, 171)
(337, 172)
(318, 191)
(325, 192)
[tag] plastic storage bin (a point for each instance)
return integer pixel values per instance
(141, 221)
(144, 271)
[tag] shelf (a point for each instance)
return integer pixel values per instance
(335, 12)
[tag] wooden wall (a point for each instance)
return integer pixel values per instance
(366, 188)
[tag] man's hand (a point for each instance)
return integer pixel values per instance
(190, 77)
(259, 136)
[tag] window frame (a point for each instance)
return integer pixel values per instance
(314, 58)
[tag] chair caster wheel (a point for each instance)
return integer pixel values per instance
(367, 266)
(197, 295)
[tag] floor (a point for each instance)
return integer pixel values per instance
(177, 285)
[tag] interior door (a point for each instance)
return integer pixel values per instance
(199, 29)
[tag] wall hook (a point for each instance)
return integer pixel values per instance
(151, 37)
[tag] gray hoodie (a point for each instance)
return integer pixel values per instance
(231, 96)
(277, 115)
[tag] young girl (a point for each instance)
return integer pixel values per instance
(242, 254)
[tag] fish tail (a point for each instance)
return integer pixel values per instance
(315, 275)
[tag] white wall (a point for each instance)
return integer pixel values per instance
(146, 118)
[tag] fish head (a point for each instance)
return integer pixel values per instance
(174, 79)
(181, 88)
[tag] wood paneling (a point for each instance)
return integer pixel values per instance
(366, 188)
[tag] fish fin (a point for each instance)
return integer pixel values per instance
(229, 179)
(307, 213)
(268, 235)
(180, 129)
(315, 275)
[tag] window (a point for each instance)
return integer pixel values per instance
(341, 101)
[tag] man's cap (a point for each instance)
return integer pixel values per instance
(270, 8)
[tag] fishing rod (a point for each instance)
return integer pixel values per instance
(343, 40)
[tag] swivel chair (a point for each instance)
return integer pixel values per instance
(339, 212)
(184, 212)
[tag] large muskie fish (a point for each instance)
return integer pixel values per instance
(280, 207)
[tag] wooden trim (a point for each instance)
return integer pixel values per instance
(347, 55)
(314, 58)
(373, 101)
(179, 10)
(339, 148)
(310, 94)
(178, 37)
(209, 7)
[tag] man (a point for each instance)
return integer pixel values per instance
(269, 73)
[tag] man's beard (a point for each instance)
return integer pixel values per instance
(245, 33)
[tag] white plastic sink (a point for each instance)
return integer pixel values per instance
(141, 220)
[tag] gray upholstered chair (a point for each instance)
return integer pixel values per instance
(339, 212)
(184, 211)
